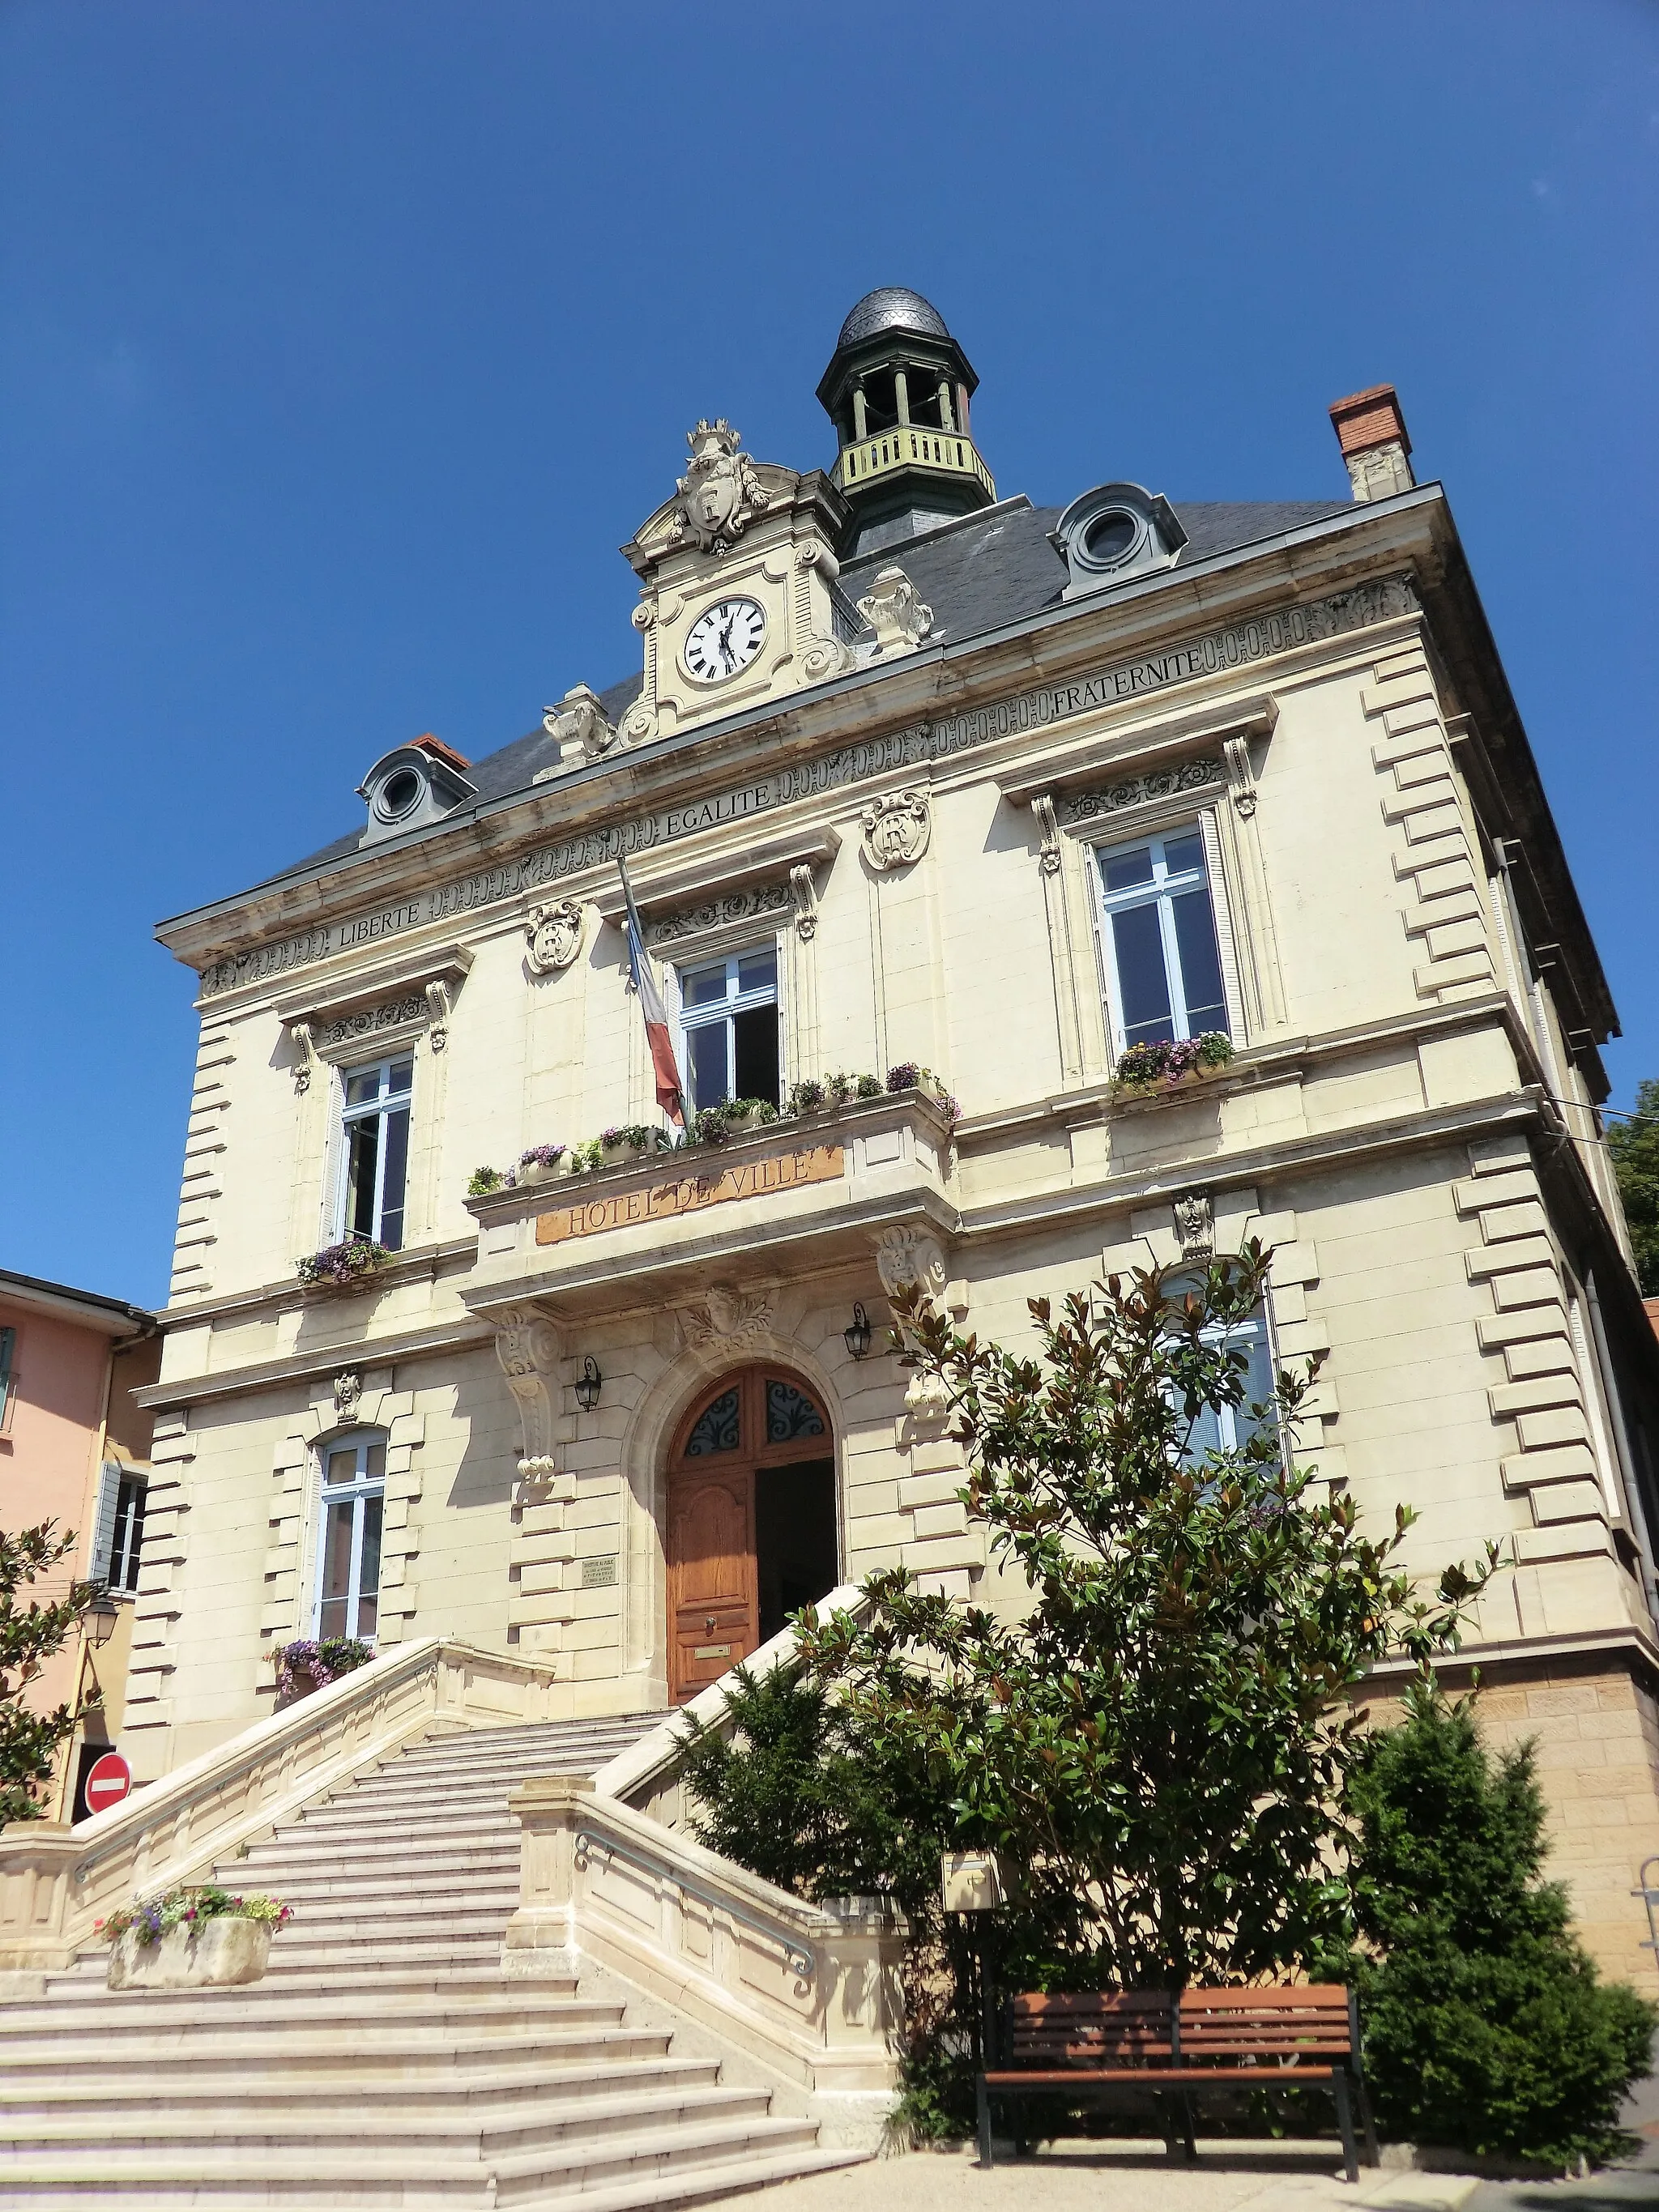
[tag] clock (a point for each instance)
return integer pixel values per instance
(724, 639)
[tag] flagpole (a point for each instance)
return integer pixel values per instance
(671, 1097)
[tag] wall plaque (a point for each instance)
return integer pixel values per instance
(717, 1186)
(601, 1573)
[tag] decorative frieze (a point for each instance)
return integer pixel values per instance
(1079, 807)
(753, 903)
(369, 1021)
(1214, 653)
(727, 1317)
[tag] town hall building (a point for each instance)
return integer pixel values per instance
(948, 818)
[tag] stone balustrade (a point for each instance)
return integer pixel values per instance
(813, 1990)
(56, 1881)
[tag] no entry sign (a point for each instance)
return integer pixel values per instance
(108, 1780)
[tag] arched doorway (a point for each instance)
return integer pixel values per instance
(751, 1522)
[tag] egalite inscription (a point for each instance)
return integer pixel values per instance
(690, 1194)
(1238, 645)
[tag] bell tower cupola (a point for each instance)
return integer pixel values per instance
(897, 389)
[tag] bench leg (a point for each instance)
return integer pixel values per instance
(983, 2101)
(1166, 2115)
(1187, 2117)
(1345, 2121)
(1373, 2156)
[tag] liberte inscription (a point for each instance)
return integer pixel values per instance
(1238, 645)
(656, 1201)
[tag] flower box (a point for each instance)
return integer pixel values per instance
(1146, 1069)
(352, 1266)
(543, 1163)
(221, 1953)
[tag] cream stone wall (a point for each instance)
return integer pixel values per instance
(1387, 1125)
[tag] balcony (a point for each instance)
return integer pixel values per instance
(790, 1198)
(911, 446)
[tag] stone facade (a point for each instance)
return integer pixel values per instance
(1408, 1118)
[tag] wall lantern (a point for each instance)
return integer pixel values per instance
(587, 1384)
(857, 1336)
(100, 1616)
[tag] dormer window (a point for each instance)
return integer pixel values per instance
(418, 784)
(1114, 532)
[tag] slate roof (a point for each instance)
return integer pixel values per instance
(892, 307)
(977, 573)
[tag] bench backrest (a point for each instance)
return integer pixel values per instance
(1122, 2027)
(1131, 2028)
(1314, 2022)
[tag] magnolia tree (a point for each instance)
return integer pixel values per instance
(1161, 1744)
(29, 1635)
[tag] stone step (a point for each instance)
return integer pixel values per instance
(459, 2132)
(387, 1904)
(334, 2175)
(116, 2013)
(297, 2097)
(274, 2050)
(300, 1851)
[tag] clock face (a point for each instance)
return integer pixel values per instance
(724, 639)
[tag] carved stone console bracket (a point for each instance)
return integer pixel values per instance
(527, 1347)
(1042, 810)
(1194, 1223)
(307, 1052)
(1240, 775)
(439, 1005)
(806, 901)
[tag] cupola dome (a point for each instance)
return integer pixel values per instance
(897, 389)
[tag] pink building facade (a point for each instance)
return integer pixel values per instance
(74, 1450)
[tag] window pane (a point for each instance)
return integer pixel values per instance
(790, 1414)
(756, 1036)
(1258, 1387)
(1200, 962)
(1183, 855)
(360, 1089)
(758, 971)
(336, 1550)
(375, 1457)
(369, 1584)
(1140, 976)
(703, 986)
(396, 1169)
(332, 1618)
(341, 1465)
(716, 1429)
(1125, 870)
(705, 1051)
(403, 1074)
(1205, 1435)
(364, 1140)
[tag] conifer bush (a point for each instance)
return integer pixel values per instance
(1487, 2026)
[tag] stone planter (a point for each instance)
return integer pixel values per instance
(532, 1172)
(221, 1953)
(616, 1156)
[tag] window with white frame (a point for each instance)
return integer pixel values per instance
(118, 1528)
(349, 1544)
(729, 1027)
(1230, 1428)
(1158, 934)
(376, 1147)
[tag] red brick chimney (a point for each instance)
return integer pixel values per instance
(1371, 432)
(439, 751)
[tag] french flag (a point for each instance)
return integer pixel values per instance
(656, 1014)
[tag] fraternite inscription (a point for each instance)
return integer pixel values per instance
(656, 1201)
(1237, 646)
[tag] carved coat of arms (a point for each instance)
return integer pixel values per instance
(719, 491)
(555, 935)
(897, 829)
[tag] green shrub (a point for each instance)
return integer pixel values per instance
(1485, 2025)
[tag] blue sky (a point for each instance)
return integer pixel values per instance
(341, 343)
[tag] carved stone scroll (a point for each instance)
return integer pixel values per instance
(527, 1347)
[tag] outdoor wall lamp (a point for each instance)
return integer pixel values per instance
(587, 1384)
(857, 1336)
(100, 1618)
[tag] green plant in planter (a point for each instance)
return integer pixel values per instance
(190, 1905)
(482, 1182)
(1143, 1066)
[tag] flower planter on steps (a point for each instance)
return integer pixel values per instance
(220, 1953)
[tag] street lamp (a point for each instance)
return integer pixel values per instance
(587, 1384)
(857, 1336)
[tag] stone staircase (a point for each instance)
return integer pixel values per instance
(383, 2061)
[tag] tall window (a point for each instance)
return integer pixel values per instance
(1163, 968)
(7, 1375)
(377, 1152)
(729, 1019)
(1229, 1428)
(349, 1575)
(118, 1535)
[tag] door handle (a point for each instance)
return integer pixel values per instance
(709, 1623)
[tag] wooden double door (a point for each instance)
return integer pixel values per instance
(751, 1530)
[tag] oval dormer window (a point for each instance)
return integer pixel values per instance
(1112, 536)
(399, 794)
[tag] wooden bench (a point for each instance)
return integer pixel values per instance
(1079, 2047)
